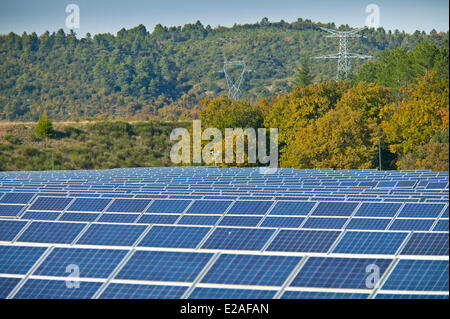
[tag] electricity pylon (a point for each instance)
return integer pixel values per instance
(343, 56)
(234, 87)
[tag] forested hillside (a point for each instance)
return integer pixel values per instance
(166, 73)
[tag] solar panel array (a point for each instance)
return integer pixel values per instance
(205, 232)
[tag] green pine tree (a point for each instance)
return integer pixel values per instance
(44, 127)
(303, 76)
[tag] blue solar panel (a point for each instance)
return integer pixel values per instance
(16, 198)
(355, 242)
(10, 228)
(334, 209)
(250, 207)
(445, 213)
(164, 266)
(89, 205)
(51, 232)
(208, 207)
(368, 223)
(168, 206)
(324, 223)
(40, 215)
(174, 236)
(51, 203)
(303, 240)
(442, 225)
(292, 208)
(378, 209)
(426, 244)
(92, 263)
(282, 222)
(409, 296)
(135, 291)
(229, 293)
(56, 289)
(118, 218)
(248, 221)
(10, 210)
(288, 294)
(251, 270)
(79, 217)
(158, 219)
(338, 272)
(412, 224)
(421, 275)
(18, 259)
(238, 238)
(109, 234)
(7, 285)
(421, 210)
(128, 205)
(199, 220)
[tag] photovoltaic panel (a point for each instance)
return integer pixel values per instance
(18, 259)
(174, 236)
(251, 270)
(199, 220)
(412, 224)
(334, 209)
(122, 205)
(118, 218)
(10, 228)
(324, 222)
(445, 213)
(292, 208)
(420, 275)
(442, 225)
(51, 203)
(16, 198)
(282, 222)
(79, 217)
(89, 205)
(164, 266)
(250, 207)
(56, 289)
(139, 291)
(238, 238)
(111, 234)
(229, 293)
(368, 223)
(92, 263)
(51, 232)
(249, 221)
(378, 209)
(168, 206)
(40, 215)
(158, 219)
(208, 207)
(7, 285)
(303, 240)
(361, 242)
(337, 272)
(289, 294)
(10, 210)
(409, 296)
(421, 210)
(427, 244)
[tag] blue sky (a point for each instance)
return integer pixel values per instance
(98, 16)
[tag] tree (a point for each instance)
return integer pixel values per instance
(303, 76)
(44, 127)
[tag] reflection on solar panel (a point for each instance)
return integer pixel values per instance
(208, 232)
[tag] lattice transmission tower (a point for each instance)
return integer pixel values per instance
(344, 56)
(234, 87)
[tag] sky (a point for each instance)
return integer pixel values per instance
(101, 16)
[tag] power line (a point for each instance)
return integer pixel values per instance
(344, 55)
